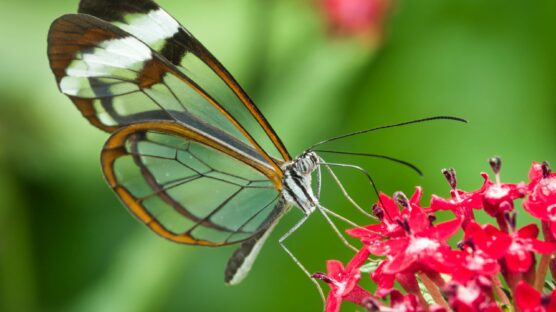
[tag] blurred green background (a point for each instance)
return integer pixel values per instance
(67, 244)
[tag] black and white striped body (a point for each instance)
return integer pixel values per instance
(297, 188)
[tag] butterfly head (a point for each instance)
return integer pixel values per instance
(306, 163)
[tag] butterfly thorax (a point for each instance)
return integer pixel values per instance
(297, 182)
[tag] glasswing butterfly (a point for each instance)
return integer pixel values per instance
(189, 153)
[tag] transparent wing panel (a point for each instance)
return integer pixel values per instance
(160, 31)
(221, 90)
(190, 189)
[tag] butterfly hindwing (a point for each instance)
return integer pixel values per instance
(187, 187)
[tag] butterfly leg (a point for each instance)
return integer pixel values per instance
(281, 242)
(344, 191)
(319, 182)
(361, 170)
(324, 211)
(346, 220)
(346, 194)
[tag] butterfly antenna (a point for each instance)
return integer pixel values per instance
(389, 126)
(398, 161)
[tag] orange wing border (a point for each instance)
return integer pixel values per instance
(115, 148)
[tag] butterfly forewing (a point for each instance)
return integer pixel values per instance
(186, 190)
(158, 29)
(115, 79)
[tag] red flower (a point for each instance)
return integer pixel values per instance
(407, 303)
(390, 216)
(541, 202)
(516, 248)
(498, 198)
(472, 263)
(384, 281)
(343, 282)
(356, 17)
(475, 295)
(461, 204)
(528, 299)
(423, 247)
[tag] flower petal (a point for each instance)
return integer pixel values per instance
(373, 232)
(415, 200)
(519, 261)
(528, 231)
(439, 203)
(535, 173)
(440, 260)
(357, 295)
(400, 262)
(527, 297)
(418, 221)
(392, 210)
(553, 228)
(358, 260)
(543, 247)
(475, 231)
(384, 281)
(497, 242)
(536, 209)
(334, 268)
(445, 230)
(552, 304)
(333, 303)
(365, 230)
(389, 247)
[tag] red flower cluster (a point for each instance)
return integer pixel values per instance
(409, 248)
(364, 18)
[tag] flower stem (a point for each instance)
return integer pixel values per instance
(541, 271)
(499, 292)
(411, 285)
(433, 290)
(501, 220)
(552, 266)
(541, 275)
(547, 232)
(424, 304)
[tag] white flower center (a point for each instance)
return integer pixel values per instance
(551, 212)
(475, 262)
(497, 192)
(520, 248)
(420, 244)
(548, 186)
(391, 227)
(341, 287)
(468, 294)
